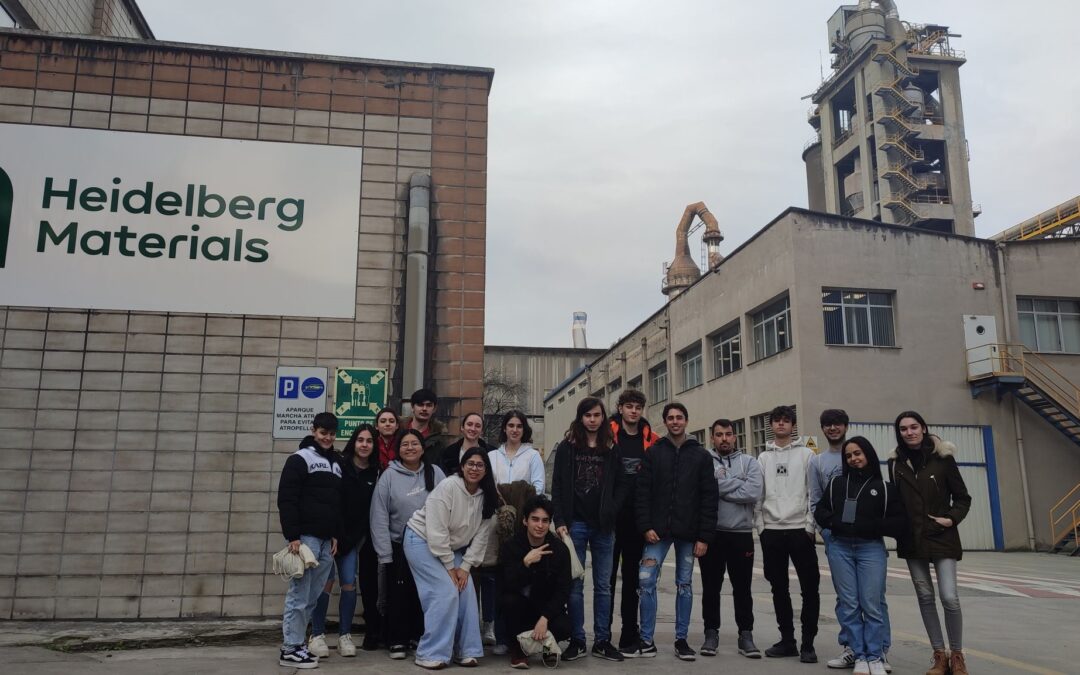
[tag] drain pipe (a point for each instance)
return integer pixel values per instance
(416, 282)
(1015, 406)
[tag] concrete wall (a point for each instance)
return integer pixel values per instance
(138, 470)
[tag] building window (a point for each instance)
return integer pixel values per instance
(1050, 324)
(740, 433)
(599, 393)
(634, 383)
(761, 432)
(698, 436)
(858, 318)
(573, 390)
(726, 351)
(614, 385)
(772, 329)
(658, 382)
(690, 367)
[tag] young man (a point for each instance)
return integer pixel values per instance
(823, 467)
(785, 523)
(436, 437)
(536, 580)
(309, 503)
(633, 437)
(740, 483)
(675, 505)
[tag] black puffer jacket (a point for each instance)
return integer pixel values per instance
(612, 488)
(930, 484)
(451, 455)
(676, 492)
(547, 580)
(357, 487)
(309, 493)
(878, 511)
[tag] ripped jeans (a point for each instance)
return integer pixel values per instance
(652, 559)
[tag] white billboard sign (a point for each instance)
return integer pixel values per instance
(301, 394)
(131, 221)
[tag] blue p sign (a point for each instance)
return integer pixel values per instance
(288, 387)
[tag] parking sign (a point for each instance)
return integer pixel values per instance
(301, 394)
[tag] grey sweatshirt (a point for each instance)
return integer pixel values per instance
(740, 482)
(452, 519)
(398, 494)
(823, 467)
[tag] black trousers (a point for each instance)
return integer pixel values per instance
(733, 553)
(626, 557)
(367, 581)
(521, 614)
(777, 548)
(404, 616)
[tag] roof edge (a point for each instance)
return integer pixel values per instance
(139, 18)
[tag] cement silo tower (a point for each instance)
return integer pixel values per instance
(578, 330)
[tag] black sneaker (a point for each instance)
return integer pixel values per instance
(297, 657)
(643, 650)
(746, 645)
(603, 649)
(683, 651)
(398, 652)
(712, 642)
(629, 640)
(371, 642)
(574, 651)
(782, 649)
(807, 653)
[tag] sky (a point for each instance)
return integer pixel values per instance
(608, 117)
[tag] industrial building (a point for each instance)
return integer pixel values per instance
(198, 234)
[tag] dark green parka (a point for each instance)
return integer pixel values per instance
(933, 489)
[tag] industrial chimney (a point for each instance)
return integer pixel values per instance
(683, 271)
(578, 330)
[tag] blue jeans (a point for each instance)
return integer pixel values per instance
(652, 559)
(451, 617)
(346, 569)
(602, 543)
(858, 568)
(304, 592)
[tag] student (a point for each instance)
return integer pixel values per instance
(787, 530)
(587, 489)
(924, 469)
(309, 505)
(436, 437)
(676, 505)
(472, 429)
(633, 437)
(359, 473)
(443, 541)
(536, 580)
(739, 483)
(858, 509)
(402, 489)
(386, 444)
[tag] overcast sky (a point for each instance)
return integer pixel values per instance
(608, 117)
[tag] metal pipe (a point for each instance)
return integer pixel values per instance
(1015, 406)
(416, 282)
(683, 271)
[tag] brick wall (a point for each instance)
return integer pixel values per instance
(137, 471)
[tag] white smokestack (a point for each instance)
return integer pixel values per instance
(578, 330)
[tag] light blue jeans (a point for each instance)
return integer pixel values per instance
(346, 569)
(303, 593)
(602, 543)
(858, 568)
(451, 617)
(649, 574)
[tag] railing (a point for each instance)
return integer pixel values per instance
(1068, 519)
(844, 135)
(901, 121)
(1005, 359)
(898, 142)
(1049, 221)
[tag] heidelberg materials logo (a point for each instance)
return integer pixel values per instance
(6, 197)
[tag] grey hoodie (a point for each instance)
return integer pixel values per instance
(398, 495)
(740, 482)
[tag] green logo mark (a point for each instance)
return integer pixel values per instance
(359, 394)
(6, 197)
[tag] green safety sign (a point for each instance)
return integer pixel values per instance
(359, 395)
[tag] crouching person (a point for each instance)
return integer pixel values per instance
(536, 580)
(309, 503)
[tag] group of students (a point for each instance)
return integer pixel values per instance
(412, 522)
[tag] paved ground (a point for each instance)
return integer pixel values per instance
(1021, 611)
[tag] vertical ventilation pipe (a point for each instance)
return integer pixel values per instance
(416, 282)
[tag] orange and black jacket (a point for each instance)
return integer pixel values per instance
(647, 435)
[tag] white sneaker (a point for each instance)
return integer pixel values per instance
(317, 646)
(345, 646)
(487, 633)
(877, 667)
(430, 665)
(862, 667)
(885, 661)
(846, 659)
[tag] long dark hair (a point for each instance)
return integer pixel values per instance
(487, 483)
(392, 412)
(350, 446)
(526, 430)
(873, 464)
(429, 471)
(927, 441)
(579, 436)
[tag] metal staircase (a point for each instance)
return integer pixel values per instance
(1065, 524)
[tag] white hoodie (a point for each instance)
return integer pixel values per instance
(452, 519)
(527, 465)
(785, 503)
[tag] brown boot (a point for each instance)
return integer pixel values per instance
(956, 663)
(939, 664)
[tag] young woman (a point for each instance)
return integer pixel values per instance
(859, 509)
(443, 541)
(515, 458)
(924, 469)
(472, 427)
(388, 425)
(587, 489)
(400, 492)
(359, 474)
